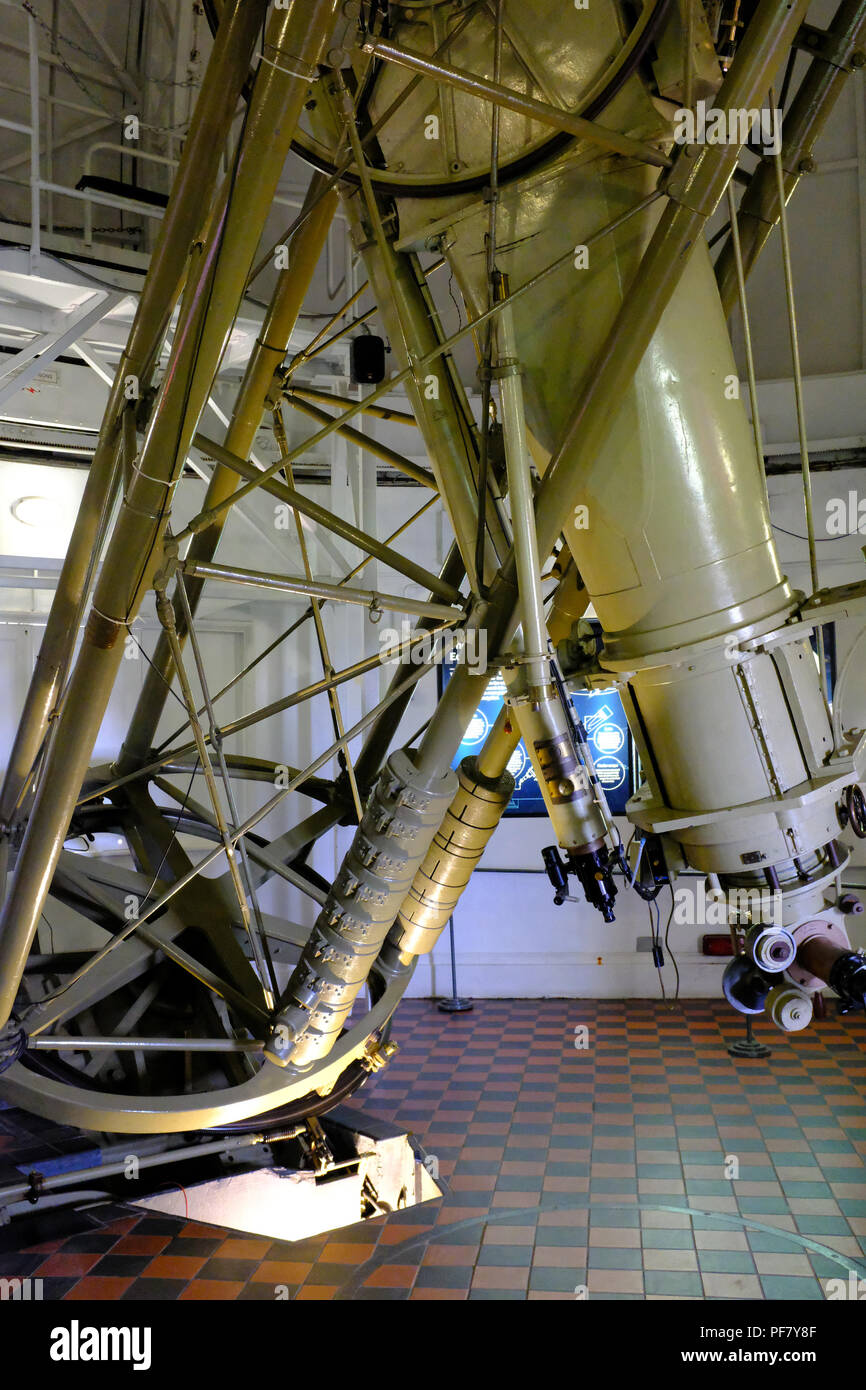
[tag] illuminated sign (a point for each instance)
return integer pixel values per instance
(607, 736)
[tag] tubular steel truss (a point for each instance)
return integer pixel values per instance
(262, 1009)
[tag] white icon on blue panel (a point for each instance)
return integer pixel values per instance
(597, 718)
(520, 768)
(611, 773)
(517, 762)
(477, 729)
(609, 738)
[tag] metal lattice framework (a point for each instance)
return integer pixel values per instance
(261, 1009)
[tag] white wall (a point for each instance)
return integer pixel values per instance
(511, 939)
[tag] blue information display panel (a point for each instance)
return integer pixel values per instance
(609, 742)
(608, 739)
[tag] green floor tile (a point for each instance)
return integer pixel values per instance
(502, 1255)
(763, 1206)
(764, 1244)
(822, 1226)
(660, 1239)
(469, 1235)
(791, 1287)
(615, 1216)
(807, 1189)
(726, 1262)
(675, 1285)
(846, 1176)
(509, 1183)
(444, 1277)
(560, 1235)
(826, 1268)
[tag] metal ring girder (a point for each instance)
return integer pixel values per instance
(130, 958)
(127, 959)
(197, 821)
(268, 1089)
(311, 150)
(285, 847)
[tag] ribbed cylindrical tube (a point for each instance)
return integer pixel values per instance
(457, 847)
(401, 818)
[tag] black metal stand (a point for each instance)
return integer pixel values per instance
(749, 1045)
(454, 1005)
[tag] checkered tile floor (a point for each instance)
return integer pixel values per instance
(566, 1170)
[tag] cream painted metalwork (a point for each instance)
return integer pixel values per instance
(530, 150)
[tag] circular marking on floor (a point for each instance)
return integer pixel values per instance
(511, 1215)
